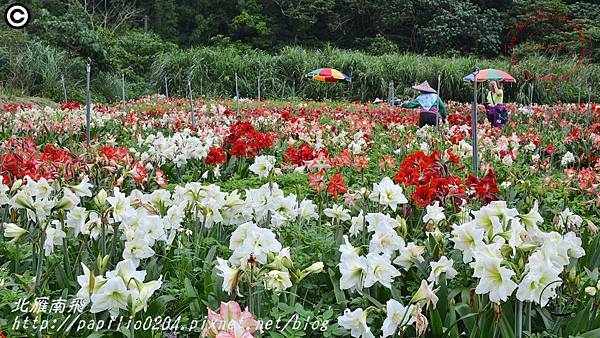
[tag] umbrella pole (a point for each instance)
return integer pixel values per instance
(474, 126)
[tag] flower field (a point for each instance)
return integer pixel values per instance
(297, 219)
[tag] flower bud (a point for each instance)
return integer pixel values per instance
(592, 227)
(100, 199)
(18, 183)
(590, 290)
(13, 231)
(315, 268)
(102, 263)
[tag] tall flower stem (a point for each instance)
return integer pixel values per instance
(68, 267)
(519, 320)
(40, 260)
(16, 257)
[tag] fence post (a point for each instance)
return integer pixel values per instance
(123, 89)
(391, 94)
(166, 87)
(64, 86)
(192, 104)
(237, 94)
(259, 88)
(88, 104)
(145, 23)
(588, 108)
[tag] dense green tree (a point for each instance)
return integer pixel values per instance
(165, 19)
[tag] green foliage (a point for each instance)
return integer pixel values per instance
(282, 74)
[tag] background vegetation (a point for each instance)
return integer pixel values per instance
(278, 41)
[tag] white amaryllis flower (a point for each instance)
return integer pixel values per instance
(388, 194)
(380, 222)
(531, 219)
(54, 236)
(467, 238)
(435, 213)
(338, 212)
(68, 201)
(496, 281)
(398, 316)
(13, 231)
(409, 255)
(568, 219)
(40, 188)
(380, 269)
(425, 294)
(484, 252)
(229, 275)
(485, 219)
(358, 224)
(250, 240)
(353, 269)
(539, 284)
(76, 218)
(307, 210)
(278, 281)
(142, 294)
(442, 265)
(137, 249)
(567, 158)
(120, 204)
(111, 296)
(3, 193)
(263, 165)
(83, 189)
(88, 283)
(356, 322)
(385, 241)
(127, 269)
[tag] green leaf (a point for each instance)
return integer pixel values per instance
(592, 334)
(436, 323)
(340, 297)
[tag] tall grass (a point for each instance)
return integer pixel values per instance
(282, 74)
(29, 67)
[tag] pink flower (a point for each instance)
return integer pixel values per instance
(230, 322)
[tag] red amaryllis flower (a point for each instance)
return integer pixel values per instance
(244, 140)
(452, 157)
(361, 163)
(423, 195)
(550, 149)
(215, 156)
(297, 156)
(485, 188)
(160, 178)
(139, 173)
(70, 105)
(386, 162)
(316, 180)
(336, 185)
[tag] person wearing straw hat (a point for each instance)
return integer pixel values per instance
(430, 103)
